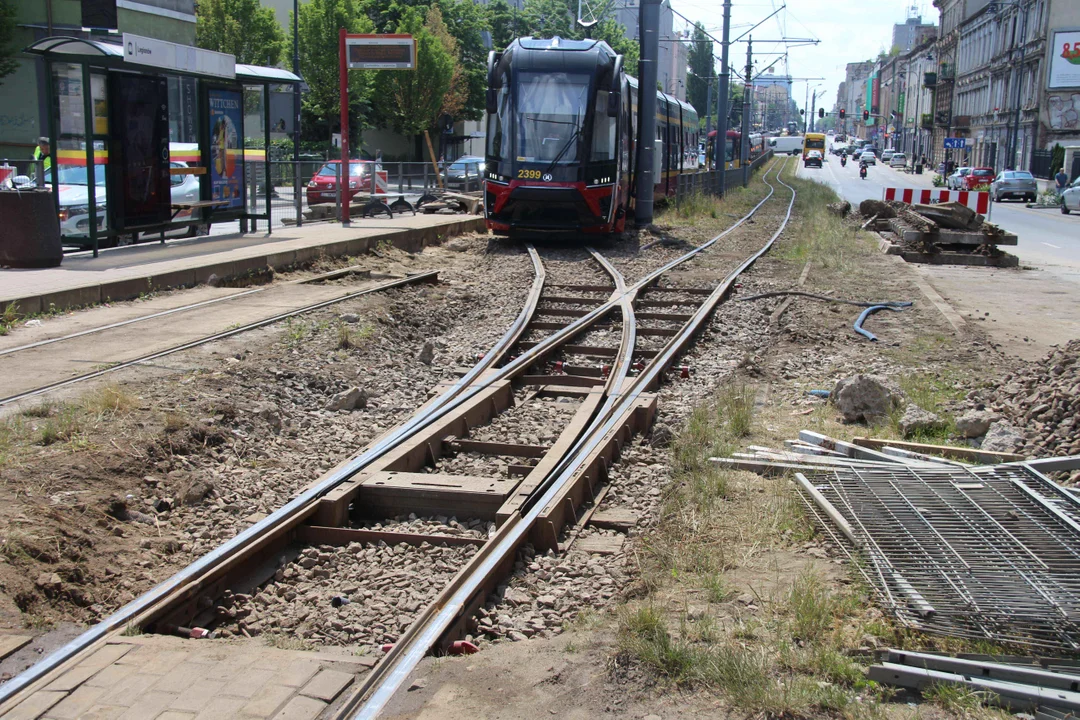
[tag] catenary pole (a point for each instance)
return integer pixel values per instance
(748, 91)
(649, 24)
(720, 144)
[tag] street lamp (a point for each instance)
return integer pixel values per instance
(806, 107)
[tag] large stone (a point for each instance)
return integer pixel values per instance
(950, 215)
(865, 398)
(427, 353)
(974, 423)
(348, 400)
(916, 420)
(1002, 437)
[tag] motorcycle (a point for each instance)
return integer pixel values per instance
(843, 161)
(862, 171)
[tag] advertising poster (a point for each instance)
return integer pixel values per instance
(1065, 60)
(226, 155)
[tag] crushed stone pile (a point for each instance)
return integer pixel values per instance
(1043, 401)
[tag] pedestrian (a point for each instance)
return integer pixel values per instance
(1060, 181)
(41, 152)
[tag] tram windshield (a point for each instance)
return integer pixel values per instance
(551, 109)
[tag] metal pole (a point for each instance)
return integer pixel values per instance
(813, 111)
(88, 129)
(297, 200)
(1019, 90)
(343, 70)
(720, 145)
(296, 95)
(748, 90)
(708, 104)
(649, 22)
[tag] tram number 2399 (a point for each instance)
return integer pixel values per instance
(528, 174)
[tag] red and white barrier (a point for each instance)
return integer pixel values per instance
(977, 201)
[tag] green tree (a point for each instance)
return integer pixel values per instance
(700, 69)
(243, 28)
(319, 23)
(548, 18)
(410, 102)
(505, 21)
(8, 63)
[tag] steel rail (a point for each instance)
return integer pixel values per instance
(284, 515)
(390, 674)
(461, 392)
(409, 280)
(331, 275)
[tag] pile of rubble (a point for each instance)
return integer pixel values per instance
(1043, 400)
(945, 233)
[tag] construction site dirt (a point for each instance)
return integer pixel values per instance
(111, 488)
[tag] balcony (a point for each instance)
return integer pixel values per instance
(927, 121)
(946, 72)
(929, 80)
(942, 117)
(962, 121)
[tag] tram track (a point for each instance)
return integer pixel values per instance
(578, 342)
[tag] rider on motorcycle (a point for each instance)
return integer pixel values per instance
(862, 168)
(843, 159)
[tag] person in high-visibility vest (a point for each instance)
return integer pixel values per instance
(42, 152)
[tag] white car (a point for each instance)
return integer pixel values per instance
(897, 160)
(956, 180)
(75, 207)
(1070, 198)
(868, 157)
(886, 155)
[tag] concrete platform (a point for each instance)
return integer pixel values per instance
(153, 676)
(124, 273)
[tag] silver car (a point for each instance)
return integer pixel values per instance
(1070, 198)
(868, 157)
(1014, 184)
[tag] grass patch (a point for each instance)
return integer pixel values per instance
(963, 702)
(714, 427)
(108, 399)
(819, 236)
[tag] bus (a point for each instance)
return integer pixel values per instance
(813, 141)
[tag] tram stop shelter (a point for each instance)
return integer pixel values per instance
(170, 137)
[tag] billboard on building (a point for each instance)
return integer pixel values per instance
(1064, 60)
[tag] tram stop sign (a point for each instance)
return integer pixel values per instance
(380, 52)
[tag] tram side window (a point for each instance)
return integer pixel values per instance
(498, 135)
(603, 147)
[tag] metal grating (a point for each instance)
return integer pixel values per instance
(986, 553)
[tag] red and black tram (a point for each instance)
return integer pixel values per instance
(560, 139)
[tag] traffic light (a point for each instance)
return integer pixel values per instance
(821, 112)
(843, 112)
(865, 114)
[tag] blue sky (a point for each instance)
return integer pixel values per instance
(849, 31)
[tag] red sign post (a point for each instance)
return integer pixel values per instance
(389, 52)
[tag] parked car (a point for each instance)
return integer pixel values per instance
(956, 180)
(898, 160)
(812, 159)
(1070, 199)
(978, 177)
(75, 206)
(886, 155)
(465, 173)
(868, 157)
(322, 188)
(1014, 183)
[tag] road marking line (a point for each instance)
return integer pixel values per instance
(1056, 247)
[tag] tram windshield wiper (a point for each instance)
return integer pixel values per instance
(566, 146)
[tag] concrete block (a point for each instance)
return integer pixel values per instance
(105, 712)
(72, 679)
(177, 278)
(77, 704)
(24, 306)
(248, 681)
(149, 705)
(73, 297)
(33, 706)
(130, 690)
(222, 270)
(183, 676)
(221, 707)
(110, 676)
(124, 289)
(106, 656)
(327, 685)
(269, 700)
(195, 698)
(301, 708)
(296, 674)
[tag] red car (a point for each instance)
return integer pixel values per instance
(979, 176)
(323, 185)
